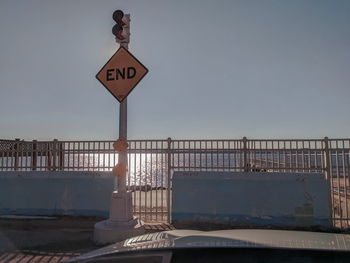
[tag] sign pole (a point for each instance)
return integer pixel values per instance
(121, 70)
(123, 135)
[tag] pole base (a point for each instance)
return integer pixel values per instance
(107, 231)
(121, 223)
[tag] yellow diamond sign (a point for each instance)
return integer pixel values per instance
(121, 74)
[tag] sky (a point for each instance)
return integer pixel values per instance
(217, 69)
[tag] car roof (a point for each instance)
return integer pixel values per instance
(232, 238)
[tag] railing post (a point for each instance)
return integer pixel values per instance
(327, 158)
(16, 148)
(34, 155)
(327, 169)
(61, 156)
(48, 155)
(169, 178)
(2, 154)
(245, 149)
(54, 154)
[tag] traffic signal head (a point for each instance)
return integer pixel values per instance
(121, 28)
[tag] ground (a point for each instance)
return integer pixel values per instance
(56, 240)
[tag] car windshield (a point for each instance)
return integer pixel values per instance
(122, 119)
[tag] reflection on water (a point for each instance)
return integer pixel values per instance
(152, 169)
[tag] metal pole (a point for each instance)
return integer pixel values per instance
(245, 163)
(121, 223)
(123, 133)
(327, 168)
(54, 154)
(34, 155)
(123, 157)
(17, 149)
(169, 180)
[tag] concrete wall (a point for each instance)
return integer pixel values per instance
(56, 193)
(251, 198)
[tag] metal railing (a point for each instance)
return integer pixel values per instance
(151, 163)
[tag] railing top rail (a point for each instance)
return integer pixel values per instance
(148, 140)
(180, 140)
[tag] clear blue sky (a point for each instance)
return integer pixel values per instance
(217, 69)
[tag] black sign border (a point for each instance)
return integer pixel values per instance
(121, 47)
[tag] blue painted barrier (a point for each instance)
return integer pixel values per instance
(251, 198)
(56, 193)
